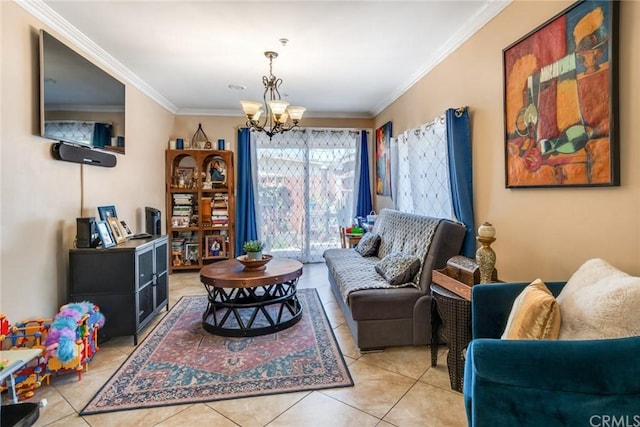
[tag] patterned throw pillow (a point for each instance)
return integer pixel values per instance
(368, 245)
(398, 268)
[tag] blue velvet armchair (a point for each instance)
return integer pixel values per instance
(545, 383)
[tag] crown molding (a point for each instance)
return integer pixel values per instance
(239, 113)
(478, 21)
(56, 22)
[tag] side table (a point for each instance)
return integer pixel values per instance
(15, 360)
(349, 240)
(451, 311)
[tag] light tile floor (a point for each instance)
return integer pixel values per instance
(396, 387)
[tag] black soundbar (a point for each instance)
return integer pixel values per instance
(82, 155)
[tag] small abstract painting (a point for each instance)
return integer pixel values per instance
(560, 100)
(383, 160)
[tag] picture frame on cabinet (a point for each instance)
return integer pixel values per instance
(116, 229)
(105, 234)
(185, 177)
(179, 221)
(217, 171)
(106, 211)
(125, 227)
(215, 246)
(192, 252)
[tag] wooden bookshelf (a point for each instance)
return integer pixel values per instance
(200, 207)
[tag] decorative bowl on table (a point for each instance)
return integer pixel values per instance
(254, 264)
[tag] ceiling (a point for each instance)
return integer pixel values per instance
(342, 58)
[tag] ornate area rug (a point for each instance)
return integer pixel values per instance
(179, 362)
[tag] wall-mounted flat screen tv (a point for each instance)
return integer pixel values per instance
(79, 102)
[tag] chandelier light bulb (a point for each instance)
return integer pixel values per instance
(296, 112)
(283, 118)
(278, 107)
(250, 108)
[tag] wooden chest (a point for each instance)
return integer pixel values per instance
(466, 270)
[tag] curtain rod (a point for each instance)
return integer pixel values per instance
(460, 111)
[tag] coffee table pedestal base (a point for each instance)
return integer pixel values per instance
(248, 312)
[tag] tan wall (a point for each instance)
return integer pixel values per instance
(545, 233)
(42, 197)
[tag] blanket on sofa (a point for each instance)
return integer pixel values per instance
(407, 233)
(355, 272)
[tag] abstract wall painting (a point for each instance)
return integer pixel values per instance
(560, 100)
(383, 160)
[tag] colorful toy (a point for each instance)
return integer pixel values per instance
(68, 326)
(69, 342)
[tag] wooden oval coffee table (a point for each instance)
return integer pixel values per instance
(246, 303)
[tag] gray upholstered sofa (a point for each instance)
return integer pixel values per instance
(380, 315)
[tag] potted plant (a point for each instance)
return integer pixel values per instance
(253, 248)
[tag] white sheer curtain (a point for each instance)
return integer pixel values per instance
(305, 189)
(420, 171)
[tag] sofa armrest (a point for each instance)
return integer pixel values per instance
(491, 305)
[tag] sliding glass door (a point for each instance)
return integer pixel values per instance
(305, 190)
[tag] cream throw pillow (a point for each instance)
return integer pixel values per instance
(589, 273)
(599, 302)
(535, 315)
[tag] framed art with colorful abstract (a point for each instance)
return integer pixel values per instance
(383, 160)
(560, 101)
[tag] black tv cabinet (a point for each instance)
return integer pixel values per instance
(128, 282)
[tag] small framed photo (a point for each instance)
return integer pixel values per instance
(106, 212)
(116, 229)
(191, 252)
(105, 234)
(186, 174)
(125, 227)
(215, 246)
(179, 221)
(217, 171)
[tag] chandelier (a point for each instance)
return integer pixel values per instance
(280, 117)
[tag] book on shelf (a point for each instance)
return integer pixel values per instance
(182, 199)
(180, 196)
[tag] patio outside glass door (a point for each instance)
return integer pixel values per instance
(305, 190)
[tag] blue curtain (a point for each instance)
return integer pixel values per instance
(246, 228)
(363, 204)
(101, 135)
(461, 174)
